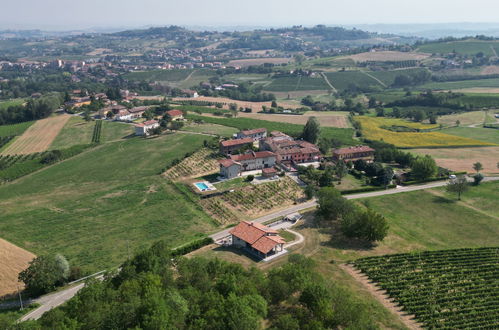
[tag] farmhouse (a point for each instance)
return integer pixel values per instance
(175, 115)
(190, 93)
(229, 146)
(229, 168)
(137, 112)
(257, 238)
(256, 134)
(145, 127)
(289, 150)
(78, 102)
(354, 153)
(269, 172)
(251, 161)
(123, 115)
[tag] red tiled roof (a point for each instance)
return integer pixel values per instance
(254, 131)
(174, 113)
(236, 142)
(255, 234)
(252, 155)
(269, 170)
(350, 150)
(227, 162)
(147, 123)
(138, 109)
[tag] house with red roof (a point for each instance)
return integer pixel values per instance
(252, 160)
(354, 153)
(175, 115)
(256, 134)
(289, 150)
(257, 238)
(229, 168)
(229, 146)
(146, 127)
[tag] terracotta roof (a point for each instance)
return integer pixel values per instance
(175, 113)
(256, 234)
(227, 162)
(236, 142)
(138, 109)
(252, 155)
(254, 131)
(269, 170)
(147, 123)
(351, 150)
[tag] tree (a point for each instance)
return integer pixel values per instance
(324, 145)
(311, 130)
(458, 122)
(360, 164)
(44, 274)
(326, 179)
(372, 102)
(332, 205)
(309, 191)
(176, 125)
(477, 178)
(477, 167)
(250, 178)
(368, 225)
(299, 58)
(385, 176)
(341, 170)
(458, 185)
(424, 167)
(273, 104)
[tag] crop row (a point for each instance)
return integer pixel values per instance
(443, 289)
(97, 131)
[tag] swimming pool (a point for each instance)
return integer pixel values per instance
(201, 186)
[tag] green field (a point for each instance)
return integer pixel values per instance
(450, 85)
(225, 131)
(477, 133)
(94, 205)
(345, 135)
(465, 47)
(343, 80)
(9, 103)
(15, 129)
(112, 131)
(285, 84)
(388, 77)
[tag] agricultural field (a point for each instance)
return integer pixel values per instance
(461, 84)
(15, 129)
(465, 118)
(13, 260)
(10, 103)
(87, 207)
(202, 162)
(327, 119)
(255, 106)
(214, 129)
(38, 137)
(388, 77)
(75, 131)
(343, 80)
(384, 56)
(372, 128)
(443, 289)
(285, 84)
(253, 200)
(478, 133)
(259, 61)
(345, 135)
(462, 159)
(465, 47)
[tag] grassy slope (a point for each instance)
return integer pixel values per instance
(76, 131)
(342, 134)
(211, 129)
(89, 206)
(15, 129)
(342, 80)
(470, 47)
(112, 131)
(477, 133)
(449, 85)
(8, 103)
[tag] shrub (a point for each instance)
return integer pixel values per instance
(250, 178)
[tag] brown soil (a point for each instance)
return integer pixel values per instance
(259, 61)
(327, 119)
(38, 137)
(388, 56)
(256, 106)
(13, 260)
(462, 159)
(382, 297)
(491, 69)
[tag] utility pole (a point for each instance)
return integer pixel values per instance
(20, 298)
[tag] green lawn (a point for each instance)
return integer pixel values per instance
(285, 84)
(468, 47)
(8, 103)
(159, 75)
(477, 133)
(15, 129)
(112, 131)
(211, 129)
(343, 80)
(76, 131)
(388, 77)
(93, 206)
(449, 85)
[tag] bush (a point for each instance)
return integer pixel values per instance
(367, 225)
(51, 157)
(250, 178)
(477, 178)
(192, 246)
(367, 189)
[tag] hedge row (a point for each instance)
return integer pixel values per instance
(408, 183)
(192, 246)
(367, 189)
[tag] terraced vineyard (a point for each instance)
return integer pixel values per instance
(450, 289)
(202, 162)
(253, 200)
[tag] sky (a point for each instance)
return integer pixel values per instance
(84, 14)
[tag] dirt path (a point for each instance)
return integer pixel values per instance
(493, 50)
(328, 82)
(382, 297)
(373, 77)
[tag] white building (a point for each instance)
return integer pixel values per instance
(145, 127)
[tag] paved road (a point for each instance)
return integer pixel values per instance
(296, 208)
(50, 301)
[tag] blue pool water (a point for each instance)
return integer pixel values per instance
(201, 186)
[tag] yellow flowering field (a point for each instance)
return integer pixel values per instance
(372, 130)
